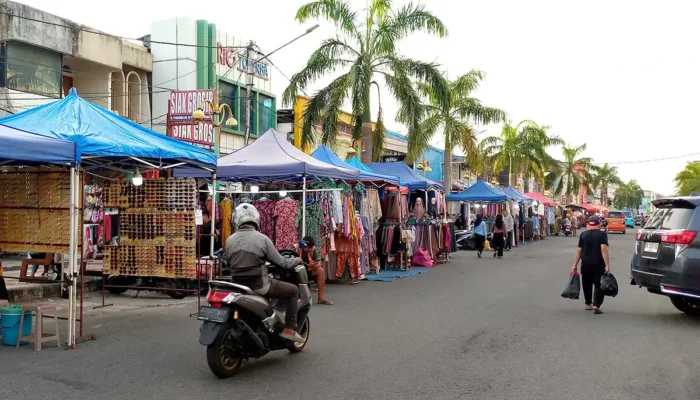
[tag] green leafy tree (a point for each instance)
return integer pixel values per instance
(628, 194)
(454, 119)
(366, 48)
(571, 174)
(521, 148)
(604, 176)
(688, 180)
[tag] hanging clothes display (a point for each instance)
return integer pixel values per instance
(226, 215)
(286, 235)
(266, 209)
(314, 222)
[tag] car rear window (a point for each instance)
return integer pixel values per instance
(628, 214)
(670, 218)
(615, 214)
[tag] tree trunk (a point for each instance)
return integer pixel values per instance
(447, 170)
(366, 133)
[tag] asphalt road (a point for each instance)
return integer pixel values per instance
(473, 329)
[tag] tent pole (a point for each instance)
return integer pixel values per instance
(303, 208)
(74, 256)
(213, 221)
(71, 244)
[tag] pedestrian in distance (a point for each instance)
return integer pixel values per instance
(499, 232)
(479, 234)
(593, 253)
(510, 229)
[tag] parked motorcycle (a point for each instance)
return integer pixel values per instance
(465, 240)
(567, 230)
(238, 324)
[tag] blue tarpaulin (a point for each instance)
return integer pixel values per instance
(23, 148)
(516, 194)
(325, 154)
(480, 191)
(407, 176)
(97, 132)
(272, 157)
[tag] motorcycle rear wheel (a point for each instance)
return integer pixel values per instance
(304, 333)
(222, 358)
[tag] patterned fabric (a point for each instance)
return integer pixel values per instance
(314, 221)
(286, 235)
(266, 209)
(226, 215)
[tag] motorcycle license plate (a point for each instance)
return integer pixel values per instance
(212, 314)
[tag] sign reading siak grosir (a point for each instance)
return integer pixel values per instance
(181, 125)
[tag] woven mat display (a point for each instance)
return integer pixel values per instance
(157, 231)
(34, 210)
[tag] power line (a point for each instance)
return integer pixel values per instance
(82, 29)
(648, 161)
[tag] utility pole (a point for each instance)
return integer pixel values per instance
(250, 74)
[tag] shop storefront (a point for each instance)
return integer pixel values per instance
(210, 65)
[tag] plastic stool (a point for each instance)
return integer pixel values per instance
(38, 337)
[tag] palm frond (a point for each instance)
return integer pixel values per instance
(378, 137)
(318, 109)
(477, 112)
(335, 11)
(465, 84)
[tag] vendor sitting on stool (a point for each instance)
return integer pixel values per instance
(307, 249)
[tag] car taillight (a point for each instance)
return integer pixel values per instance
(215, 298)
(639, 234)
(678, 237)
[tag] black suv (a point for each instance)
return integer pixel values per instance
(666, 256)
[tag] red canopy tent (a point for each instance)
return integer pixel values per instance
(542, 199)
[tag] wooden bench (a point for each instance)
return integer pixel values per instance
(26, 262)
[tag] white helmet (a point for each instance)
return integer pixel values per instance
(246, 213)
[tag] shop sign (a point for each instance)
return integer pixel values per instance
(260, 69)
(226, 56)
(181, 126)
(183, 103)
(393, 158)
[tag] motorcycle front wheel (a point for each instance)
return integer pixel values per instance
(293, 347)
(222, 356)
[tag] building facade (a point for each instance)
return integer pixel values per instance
(194, 55)
(41, 61)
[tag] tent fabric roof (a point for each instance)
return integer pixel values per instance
(24, 148)
(325, 154)
(355, 162)
(271, 157)
(101, 133)
(480, 191)
(406, 175)
(516, 194)
(590, 208)
(541, 198)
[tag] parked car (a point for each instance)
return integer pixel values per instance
(666, 258)
(629, 219)
(616, 221)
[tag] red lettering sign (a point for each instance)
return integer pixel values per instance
(200, 134)
(225, 55)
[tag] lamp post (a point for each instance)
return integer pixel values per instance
(424, 166)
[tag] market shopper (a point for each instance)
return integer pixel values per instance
(479, 231)
(594, 255)
(499, 232)
(310, 256)
(510, 229)
(247, 250)
(205, 235)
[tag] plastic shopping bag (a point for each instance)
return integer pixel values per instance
(573, 288)
(608, 285)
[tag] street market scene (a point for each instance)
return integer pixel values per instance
(195, 207)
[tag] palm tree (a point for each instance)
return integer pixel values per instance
(366, 48)
(522, 149)
(688, 180)
(454, 119)
(604, 177)
(570, 175)
(628, 194)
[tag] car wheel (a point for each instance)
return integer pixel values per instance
(687, 305)
(625, 231)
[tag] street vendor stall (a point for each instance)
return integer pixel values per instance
(483, 198)
(542, 214)
(108, 147)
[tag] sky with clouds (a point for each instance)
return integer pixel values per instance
(621, 76)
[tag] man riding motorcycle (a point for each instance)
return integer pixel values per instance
(247, 250)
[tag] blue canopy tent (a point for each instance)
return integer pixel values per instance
(23, 148)
(406, 175)
(516, 194)
(99, 133)
(480, 191)
(325, 154)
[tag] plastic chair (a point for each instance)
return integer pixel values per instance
(38, 337)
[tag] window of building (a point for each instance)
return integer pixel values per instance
(241, 101)
(227, 95)
(267, 113)
(33, 69)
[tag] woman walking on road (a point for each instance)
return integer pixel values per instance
(479, 234)
(593, 253)
(499, 230)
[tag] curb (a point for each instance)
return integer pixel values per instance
(47, 291)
